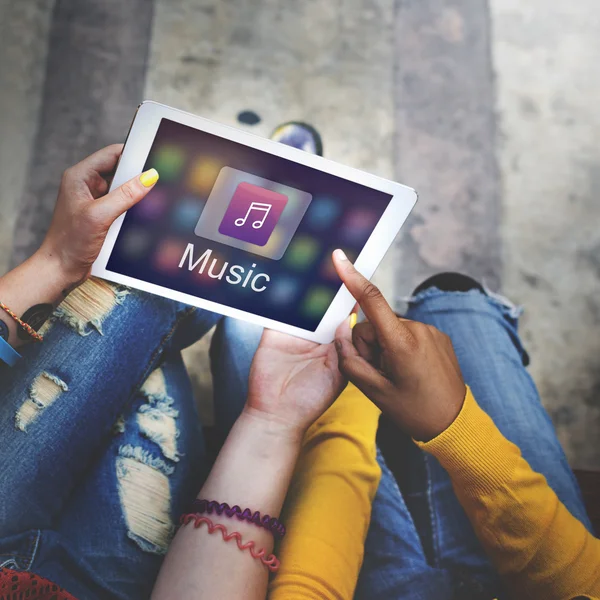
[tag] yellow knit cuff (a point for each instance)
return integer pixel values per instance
(351, 412)
(473, 450)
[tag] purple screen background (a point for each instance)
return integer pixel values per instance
(155, 232)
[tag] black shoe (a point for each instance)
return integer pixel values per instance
(299, 135)
(450, 282)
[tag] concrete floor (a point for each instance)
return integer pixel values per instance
(547, 95)
(488, 108)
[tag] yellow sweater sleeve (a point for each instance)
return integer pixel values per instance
(328, 507)
(540, 549)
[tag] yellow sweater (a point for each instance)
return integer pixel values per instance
(328, 507)
(539, 548)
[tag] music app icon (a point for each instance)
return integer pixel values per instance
(253, 213)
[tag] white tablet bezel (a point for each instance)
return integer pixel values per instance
(139, 141)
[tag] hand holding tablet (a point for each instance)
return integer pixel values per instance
(245, 226)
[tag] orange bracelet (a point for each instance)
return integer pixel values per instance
(271, 561)
(32, 332)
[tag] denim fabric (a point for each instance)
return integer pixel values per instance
(85, 482)
(66, 508)
(421, 544)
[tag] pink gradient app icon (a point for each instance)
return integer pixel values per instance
(252, 214)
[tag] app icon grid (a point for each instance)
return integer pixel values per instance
(156, 232)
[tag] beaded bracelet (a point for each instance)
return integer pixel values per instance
(30, 330)
(267, 522)
(271, 561)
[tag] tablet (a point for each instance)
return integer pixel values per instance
(244, 226)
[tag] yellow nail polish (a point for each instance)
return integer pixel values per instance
(149, 178)
(352, 320)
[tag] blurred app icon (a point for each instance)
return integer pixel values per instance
(153, 206)
(302, 252)
(135, 242)
(284, 291)
(323, 212)
(168, 254)
(317, 301)
(203, 174)
(169, 161)
(186, 213)
(252, 213)
(358, 224)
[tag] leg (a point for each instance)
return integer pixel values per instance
(395, 565)
(114, 530)
(484, 334)
(58, 405)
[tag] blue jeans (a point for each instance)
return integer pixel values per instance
(100, 442)
(102, 451)
(421, 544)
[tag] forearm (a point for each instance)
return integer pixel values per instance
(38, 282)
(252, 470)
(540, 549)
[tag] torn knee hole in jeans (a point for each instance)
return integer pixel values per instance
(86, 307)
(156, 418)
(145, 497)
(44, 391)
(143, 478)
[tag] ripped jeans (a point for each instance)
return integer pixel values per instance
(100, 441)
(101, 448)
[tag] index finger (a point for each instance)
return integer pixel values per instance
(368, 296)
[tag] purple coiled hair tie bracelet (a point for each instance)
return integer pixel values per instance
(267, 522)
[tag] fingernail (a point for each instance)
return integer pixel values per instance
(340, 254)
(149, 178)
(352, 320)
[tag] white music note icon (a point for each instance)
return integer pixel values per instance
(260, 207)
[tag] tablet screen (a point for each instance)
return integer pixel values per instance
(238, 226)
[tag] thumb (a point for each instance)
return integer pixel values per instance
(121, 199)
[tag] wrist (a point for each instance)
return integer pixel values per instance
(440, 417)
(271, 427)
(255, 464)
(52, 264)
